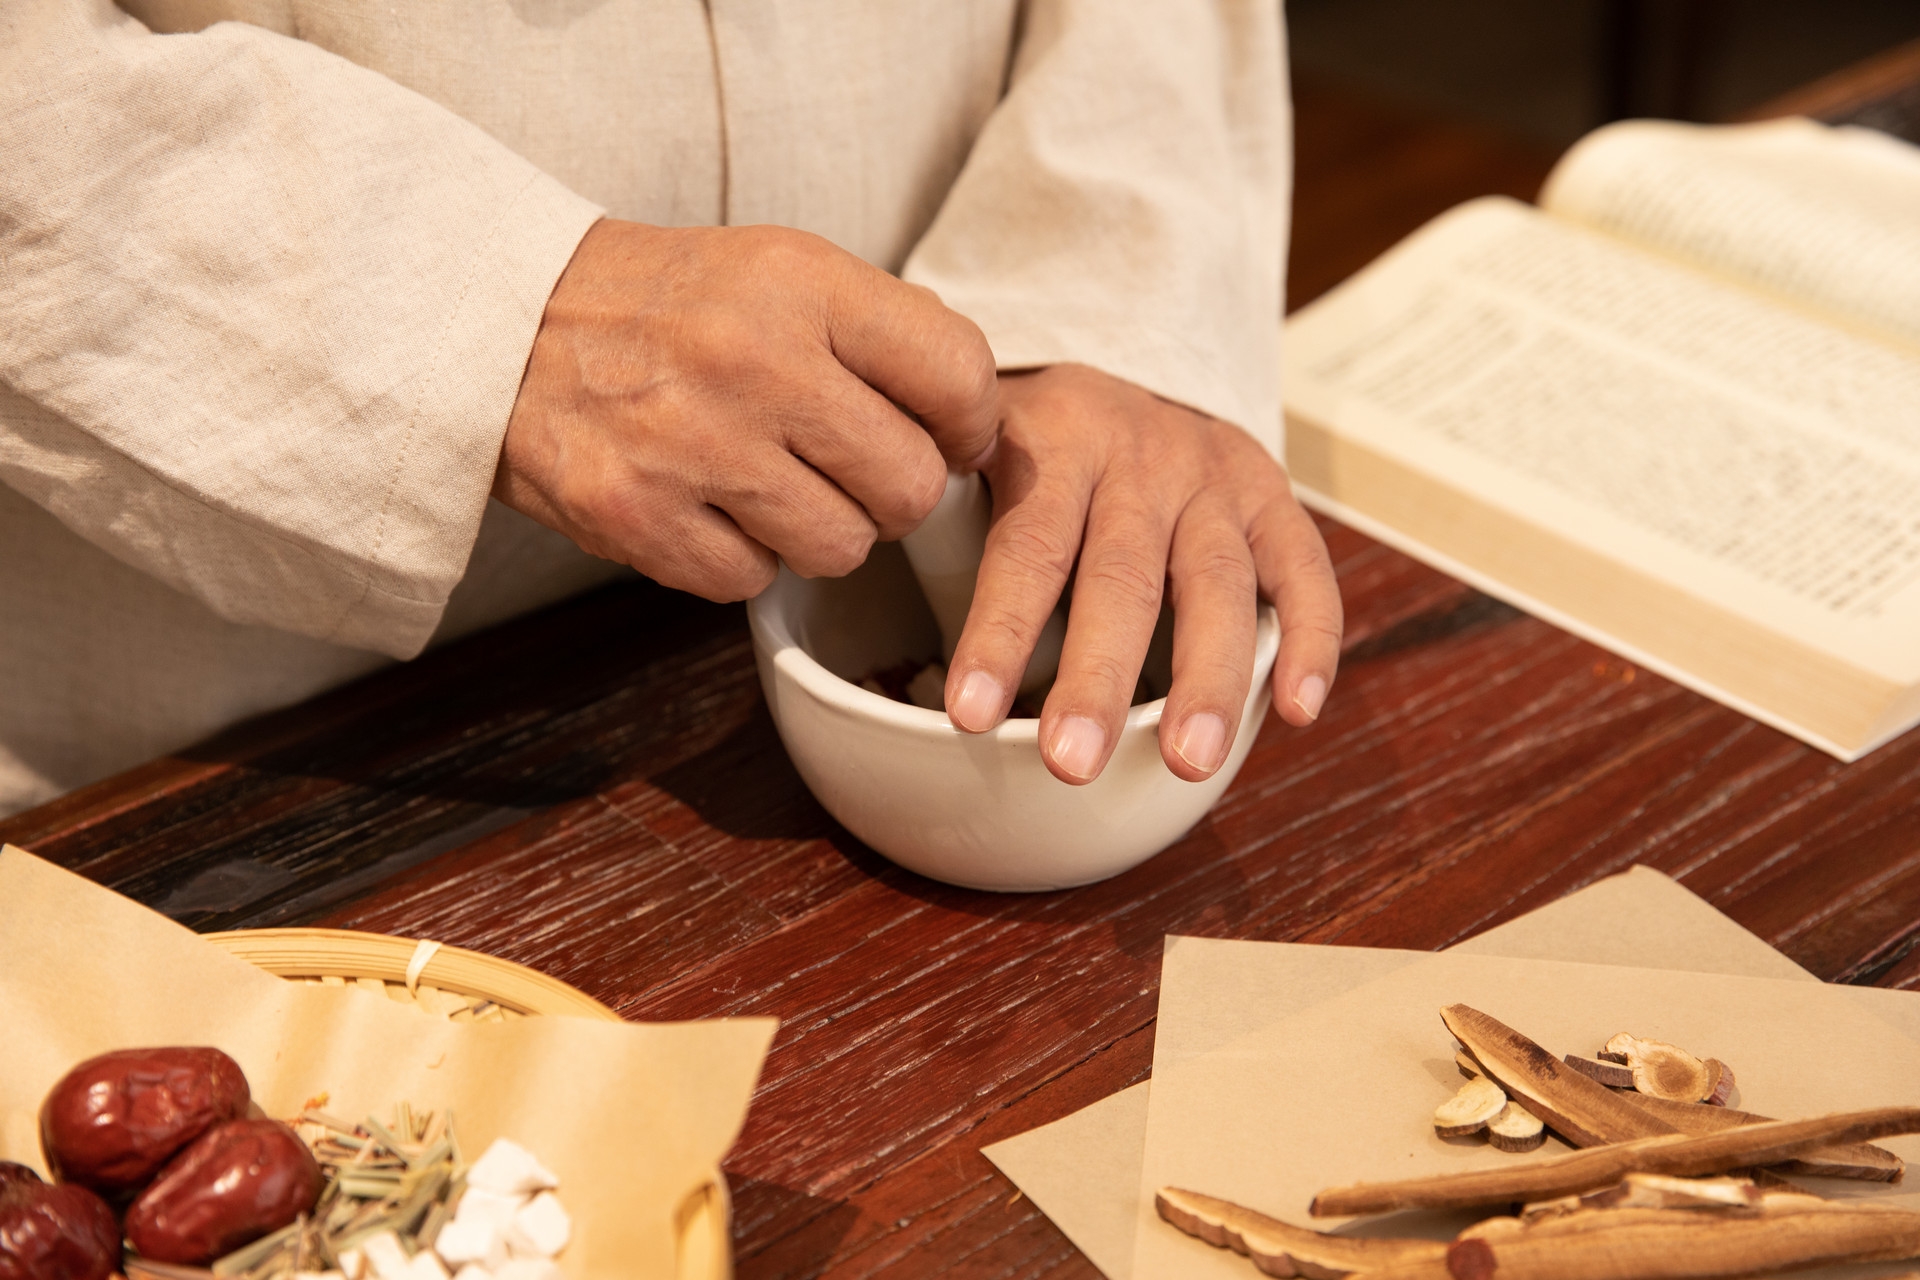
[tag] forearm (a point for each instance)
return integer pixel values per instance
(265, 315)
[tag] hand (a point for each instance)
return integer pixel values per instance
(701, 401)
(1146, 495)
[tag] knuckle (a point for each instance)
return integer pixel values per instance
(1331, 630)
(781, 252)
(833, 552)
(920, 493)
(1225, 570)
(723, 579)
(1128, 579)
(1036, 549)
(848, 552)
(1106, 671)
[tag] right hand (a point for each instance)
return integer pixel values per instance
(702, 400)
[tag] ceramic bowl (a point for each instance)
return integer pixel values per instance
(980, 811)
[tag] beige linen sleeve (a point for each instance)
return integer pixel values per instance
(263, 315)
(1126, 204)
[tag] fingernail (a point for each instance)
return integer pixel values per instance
(1202, 741)
(1309, 694)
(978, 703)
(1077, 746)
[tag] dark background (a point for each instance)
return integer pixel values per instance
(1547, 71)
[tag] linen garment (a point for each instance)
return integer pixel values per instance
(270, 271)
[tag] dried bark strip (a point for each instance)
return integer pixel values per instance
(1662, 1191)
(1580, 1171)
(1669, 1244)
(1860, 1160)
(1687, 1243)
(1280, 1248)
(1579, 1109)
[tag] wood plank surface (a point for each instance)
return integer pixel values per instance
(598, 792)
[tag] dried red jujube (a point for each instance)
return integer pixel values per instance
(54, 1232)
(114, 1120)
(237, 1182)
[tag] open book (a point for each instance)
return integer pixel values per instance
(1676, 410)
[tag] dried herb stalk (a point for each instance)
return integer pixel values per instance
(1859, 1160)
(1579, 1171)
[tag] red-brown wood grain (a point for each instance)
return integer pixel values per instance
(598, 791)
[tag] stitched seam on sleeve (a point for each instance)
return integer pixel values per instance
(431, 379)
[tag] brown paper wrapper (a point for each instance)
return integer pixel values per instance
(634, 1118)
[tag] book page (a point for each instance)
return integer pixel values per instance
(1734, 449)
(1827, 216)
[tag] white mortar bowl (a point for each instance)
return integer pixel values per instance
(976, 810)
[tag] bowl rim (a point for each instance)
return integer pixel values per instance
(772, 629)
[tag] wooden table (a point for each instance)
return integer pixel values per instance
(597, 791)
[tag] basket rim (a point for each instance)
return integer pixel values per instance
(352, 953)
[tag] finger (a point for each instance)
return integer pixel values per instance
(877, 455)
(785, 505)
(1116, 601)
(1291, 560)
(1215, 610)
(705, 553)
(933, 362)
(1030, 551)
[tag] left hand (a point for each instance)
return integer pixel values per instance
(1146, 496)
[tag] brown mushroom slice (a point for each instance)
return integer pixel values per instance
(1478, 1101)
(1516, 1129)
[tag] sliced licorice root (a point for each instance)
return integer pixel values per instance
(1662, 1070)
(1468, 1111)
(1516, 1129)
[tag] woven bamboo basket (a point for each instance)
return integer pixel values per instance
(468, 986)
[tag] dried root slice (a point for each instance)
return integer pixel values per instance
(1720, 1090)
(1468, 1111)
(1610, 1074)
(1282, 1249)
(1615, 1049)
(1468, 1066)
(1858, 1160)
(1662, 1070)
(1516, 1129)
(1582, 1171)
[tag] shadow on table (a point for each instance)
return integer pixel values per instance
(810, 1229)
(1140, 904)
